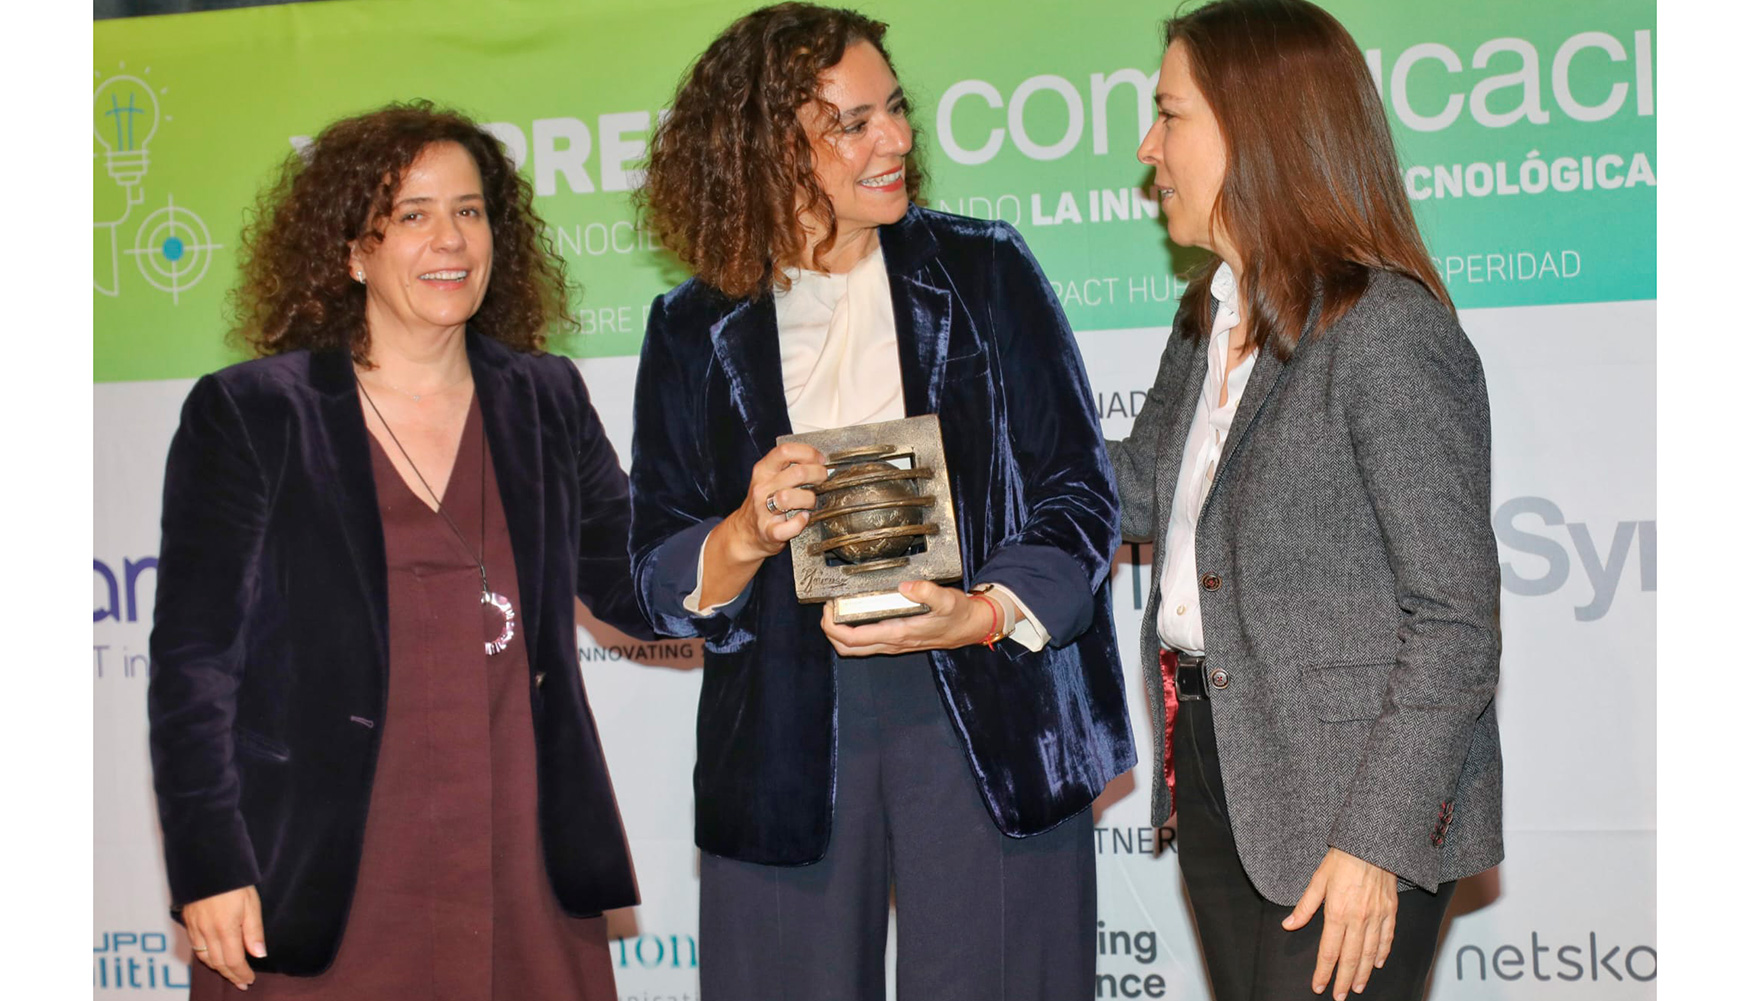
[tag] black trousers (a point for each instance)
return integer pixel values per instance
(981, 916)
(1249, 956)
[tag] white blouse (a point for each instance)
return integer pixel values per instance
(1180, 619)
(839, 350)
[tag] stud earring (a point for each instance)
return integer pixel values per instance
(359, 276)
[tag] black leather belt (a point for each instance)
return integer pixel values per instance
(1187, 674)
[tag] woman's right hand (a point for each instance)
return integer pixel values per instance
(224, 930)
(778, 500)
(773, 512)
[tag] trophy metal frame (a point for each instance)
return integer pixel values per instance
(867, 591)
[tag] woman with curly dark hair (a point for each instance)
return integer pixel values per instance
(376, 770)
(948, 757)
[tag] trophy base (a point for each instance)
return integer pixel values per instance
(857, 609)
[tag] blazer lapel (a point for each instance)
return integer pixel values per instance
(355, 487)
(1170, 451)
(1266, 373)
(922, 315)
(922, 311)
(510, 415)
(745, 341)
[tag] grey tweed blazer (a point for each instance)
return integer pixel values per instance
(1350, 590)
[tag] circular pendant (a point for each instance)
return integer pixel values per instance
(500, 602)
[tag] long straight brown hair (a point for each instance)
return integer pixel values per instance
(1312, 198)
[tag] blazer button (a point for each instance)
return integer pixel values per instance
(1211, 582)
(1218, 678)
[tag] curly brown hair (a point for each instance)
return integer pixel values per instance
(725, 169)
(295, 290)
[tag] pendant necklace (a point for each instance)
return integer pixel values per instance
(487, 595)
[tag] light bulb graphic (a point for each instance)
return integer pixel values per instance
(172, 247)
(124, 119)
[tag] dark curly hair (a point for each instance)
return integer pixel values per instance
(295, 290)
(725, 169)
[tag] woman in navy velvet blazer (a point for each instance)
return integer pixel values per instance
(813, 787)
(271, 645)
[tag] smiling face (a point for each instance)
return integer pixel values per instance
(859, 156)
(1186, 149)
(429, 272)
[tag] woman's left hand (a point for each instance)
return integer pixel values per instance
(955, 619)
(1361, 912)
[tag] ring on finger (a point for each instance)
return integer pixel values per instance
(772, 503)
(198, 948)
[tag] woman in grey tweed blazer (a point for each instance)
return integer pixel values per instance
(1312, 465)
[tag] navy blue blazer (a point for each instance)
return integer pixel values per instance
(982, 343)
(269, 641)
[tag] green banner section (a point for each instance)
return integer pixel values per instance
(1526, 134)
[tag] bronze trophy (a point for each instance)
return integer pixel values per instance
(885, 515)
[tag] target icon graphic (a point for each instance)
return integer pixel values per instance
(173, 249)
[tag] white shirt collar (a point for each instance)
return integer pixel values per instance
(830, 285)
(1222, 286)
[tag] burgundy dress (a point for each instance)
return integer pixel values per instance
(452, 900)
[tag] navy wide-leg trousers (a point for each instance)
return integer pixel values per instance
(981, 916)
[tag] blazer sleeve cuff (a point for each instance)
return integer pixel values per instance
(210, 861)
(1051, 585)
(1027, 632)
(672, 581)
(691, 601)
(1400, 801)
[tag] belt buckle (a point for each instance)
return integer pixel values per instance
(1188, 678)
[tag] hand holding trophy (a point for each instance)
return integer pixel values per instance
(777, 505)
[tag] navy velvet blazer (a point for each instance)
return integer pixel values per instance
(270, 645)
(982, 343)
